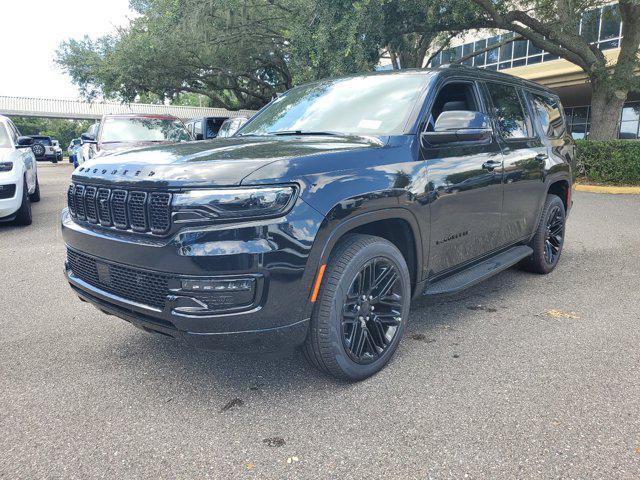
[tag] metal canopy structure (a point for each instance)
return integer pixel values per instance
(73, 109)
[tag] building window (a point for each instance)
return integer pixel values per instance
(579, 120)
(600, 26)
(630, 121)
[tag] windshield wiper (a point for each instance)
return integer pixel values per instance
(300, 132)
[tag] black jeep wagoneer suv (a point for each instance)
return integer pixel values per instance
(319, 220)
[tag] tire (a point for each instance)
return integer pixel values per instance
(23, 217)
(54, 160)
(339, 330)
(38, 150)
(35, 196)
(549, 238)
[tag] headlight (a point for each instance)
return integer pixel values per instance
(233, 203)
(6, 166)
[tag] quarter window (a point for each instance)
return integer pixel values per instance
(550, 115)
(508, 111)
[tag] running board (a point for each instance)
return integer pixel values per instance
(483, 270)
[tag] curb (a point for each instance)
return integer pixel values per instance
(610, 190)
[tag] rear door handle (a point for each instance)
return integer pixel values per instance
(490, 165)
(542, 157)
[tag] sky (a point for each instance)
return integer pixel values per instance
(32, 30)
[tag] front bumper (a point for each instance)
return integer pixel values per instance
(273, 253)
(9, 206)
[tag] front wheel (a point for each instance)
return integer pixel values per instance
(35, 196)
(23, 216)
(549, 237)
(362, 309)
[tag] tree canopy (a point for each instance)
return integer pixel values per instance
(241, 53)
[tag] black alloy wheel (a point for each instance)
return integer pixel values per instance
(362, 308)
(554, 235)
(548, 239)
(372, 311)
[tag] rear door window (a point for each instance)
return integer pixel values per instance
(509, 111)
(549, 113)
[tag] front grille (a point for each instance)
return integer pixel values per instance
(141, 286)
(135, 210)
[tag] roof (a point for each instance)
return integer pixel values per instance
(482, 73)
(163, 116)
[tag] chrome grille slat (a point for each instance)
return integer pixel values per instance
(133, 210)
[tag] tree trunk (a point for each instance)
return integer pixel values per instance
(606, 108)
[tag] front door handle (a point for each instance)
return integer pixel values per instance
(490, 165)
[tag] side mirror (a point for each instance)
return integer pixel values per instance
(460, 126)
(24, 142)
(199, 136)
(88, 138)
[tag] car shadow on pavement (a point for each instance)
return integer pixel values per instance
(271, 373)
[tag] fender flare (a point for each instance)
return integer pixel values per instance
(327, 238)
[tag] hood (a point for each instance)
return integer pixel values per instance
(110, 148)
(5, 153)
(217, 162)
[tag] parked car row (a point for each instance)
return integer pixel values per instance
(18, 174)
(45, 148)
(114, 133)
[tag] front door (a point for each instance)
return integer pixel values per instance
(524, 159)
(465, 185)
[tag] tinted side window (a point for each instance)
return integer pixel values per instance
(549, 112)
(508, 111)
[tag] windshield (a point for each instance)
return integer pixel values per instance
(4, 137)
(42, 140)
(143, 129)
(364, 105)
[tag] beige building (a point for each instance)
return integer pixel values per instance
(521, 58)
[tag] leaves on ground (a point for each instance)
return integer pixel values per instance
(560, 314)
(274, 442)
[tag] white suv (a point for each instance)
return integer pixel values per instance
(18, 175)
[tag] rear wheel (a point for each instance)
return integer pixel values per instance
(549, 238)
(362, 309)
(23, 217)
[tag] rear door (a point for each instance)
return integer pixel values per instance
(525, 157)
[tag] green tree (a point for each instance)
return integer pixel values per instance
(240, 53)
(552, 25)
(232, 51)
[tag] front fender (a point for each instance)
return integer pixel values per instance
(334, 228)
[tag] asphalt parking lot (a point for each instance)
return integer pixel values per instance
(522, 376)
